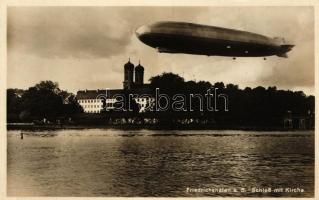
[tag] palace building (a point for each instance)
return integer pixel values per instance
(94, 101)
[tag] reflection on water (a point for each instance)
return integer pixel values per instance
(98, 162)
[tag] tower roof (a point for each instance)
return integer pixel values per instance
(139, 67)
(129, 65)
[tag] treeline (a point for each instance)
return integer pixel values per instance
(43, 101)
(246, 107)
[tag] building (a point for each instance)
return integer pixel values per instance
(297, 121)
(89, 100)
(95, 101)
(133, 76)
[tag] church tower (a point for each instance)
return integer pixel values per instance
(139, 74)
(128, 75)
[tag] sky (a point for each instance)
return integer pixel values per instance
(86, 47)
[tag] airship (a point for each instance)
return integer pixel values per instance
(191, 38)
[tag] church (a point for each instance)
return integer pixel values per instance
(94, 101)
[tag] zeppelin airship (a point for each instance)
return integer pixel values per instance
(190, 38)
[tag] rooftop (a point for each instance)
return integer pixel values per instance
(94, 94)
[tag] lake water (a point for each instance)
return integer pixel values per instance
(105, 162)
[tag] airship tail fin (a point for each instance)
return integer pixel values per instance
(284, 49)
(283, 55)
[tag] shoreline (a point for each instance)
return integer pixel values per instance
(30, 126)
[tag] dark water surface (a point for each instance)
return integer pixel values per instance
(100, 162)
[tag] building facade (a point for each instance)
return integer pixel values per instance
(96, 101)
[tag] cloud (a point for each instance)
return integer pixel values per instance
(66, 32)
(93, 43)
(90, 32)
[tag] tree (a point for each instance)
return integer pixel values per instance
(168, 82)
(44, 100)
(219, 85)
(13, 104)
(48, 85)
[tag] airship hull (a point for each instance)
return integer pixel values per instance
(177, 37)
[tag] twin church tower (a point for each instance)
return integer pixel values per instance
(129, 71)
